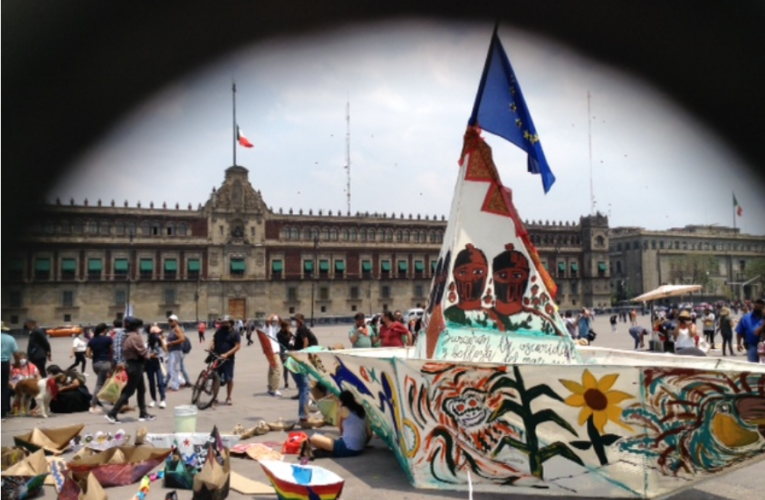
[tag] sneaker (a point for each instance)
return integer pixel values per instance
(96, 410)
(275, 394)
(146, 418)
(296, 396)
(162, 404)
(111, 418)
(152, 404)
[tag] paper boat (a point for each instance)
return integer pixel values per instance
(52, 441)
(25, 479)
(302, 482)
(120, 466)
(495, 388)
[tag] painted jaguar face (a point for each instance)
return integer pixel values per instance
(468, 409)
(511, 276)
(470, 273)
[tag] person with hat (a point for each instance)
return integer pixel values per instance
(8, 346)
(708, 326)
(136, 353)
(38, 347)
(750, 331)
(225, 343)
(726, 330)
(686, 336)
(175, 340)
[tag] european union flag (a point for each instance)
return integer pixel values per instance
(500, 109)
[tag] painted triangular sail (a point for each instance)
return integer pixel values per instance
(491, 300)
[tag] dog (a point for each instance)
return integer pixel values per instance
(41, 390)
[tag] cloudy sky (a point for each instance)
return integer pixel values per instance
(411, 87)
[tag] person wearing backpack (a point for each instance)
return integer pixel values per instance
(175, 340)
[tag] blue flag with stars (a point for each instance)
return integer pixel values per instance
(500, 109)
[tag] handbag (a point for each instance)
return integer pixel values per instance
(294, 440)
(112, 389)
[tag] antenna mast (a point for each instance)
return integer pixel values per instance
(348, 153)
(589, 138)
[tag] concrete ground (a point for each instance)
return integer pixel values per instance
(376, 472)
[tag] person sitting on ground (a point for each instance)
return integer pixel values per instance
(393, 332)
(355, 432)
(73, 395)
(638, 333)
(21, 369)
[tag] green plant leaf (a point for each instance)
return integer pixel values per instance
(609, 439)
(539, 390)
(581, 445)
(550, 416)
(514, 443)
(507, 406)
(558, 448)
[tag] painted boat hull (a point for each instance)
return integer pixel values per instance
(616, 424)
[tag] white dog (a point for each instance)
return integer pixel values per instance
(28, 389)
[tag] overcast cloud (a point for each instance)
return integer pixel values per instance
(411, 88)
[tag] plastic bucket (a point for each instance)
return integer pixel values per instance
(186, 418)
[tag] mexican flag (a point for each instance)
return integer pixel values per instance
(737, 207)
(242, 139)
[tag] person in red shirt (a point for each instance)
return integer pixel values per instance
(201, 330)
(393, 333)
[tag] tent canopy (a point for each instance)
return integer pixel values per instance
(666, 291)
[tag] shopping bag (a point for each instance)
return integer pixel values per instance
(112, 389)
(292, 445)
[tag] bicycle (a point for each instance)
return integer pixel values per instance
(208, 383)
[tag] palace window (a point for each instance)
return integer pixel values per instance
(294, 233)
(237, 267)
(67, 298)
(292, 294)
(182, 229)
(339, 268)
(277, 267)
(68, 269)
(121, 268)
(353, 293)
(193, 268)
(323, 293)
(42, 269)
(146, 268)
(385, 291)
(95, 268)
(119, 228)
(171, 269)
(169, 296)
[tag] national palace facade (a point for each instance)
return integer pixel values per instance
(234, 255)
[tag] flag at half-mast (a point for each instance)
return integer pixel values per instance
(242, 139)
(739, 209)
(500, 109)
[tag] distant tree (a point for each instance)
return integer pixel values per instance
(693, 269)
(755, 269)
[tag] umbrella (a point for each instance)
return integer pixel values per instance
(667, 291)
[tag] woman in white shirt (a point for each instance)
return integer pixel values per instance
(79, 346)
(686, 336)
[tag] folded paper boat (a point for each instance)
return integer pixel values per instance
(26, 478)
(302, 482)
(495, 389)
(120, 466)
(52, 441)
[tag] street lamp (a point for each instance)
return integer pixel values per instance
(129, 273)
(315, 273)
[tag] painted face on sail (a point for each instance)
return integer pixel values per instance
(511, 275)
(470, 272)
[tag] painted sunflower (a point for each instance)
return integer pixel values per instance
(595, 399)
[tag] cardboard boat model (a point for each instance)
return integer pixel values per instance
(495, 387)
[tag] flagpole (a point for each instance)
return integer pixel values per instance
(233, 102)
(734, 209)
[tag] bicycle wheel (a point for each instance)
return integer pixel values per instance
(206, 390)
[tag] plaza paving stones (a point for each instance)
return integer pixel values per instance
(376, 472)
